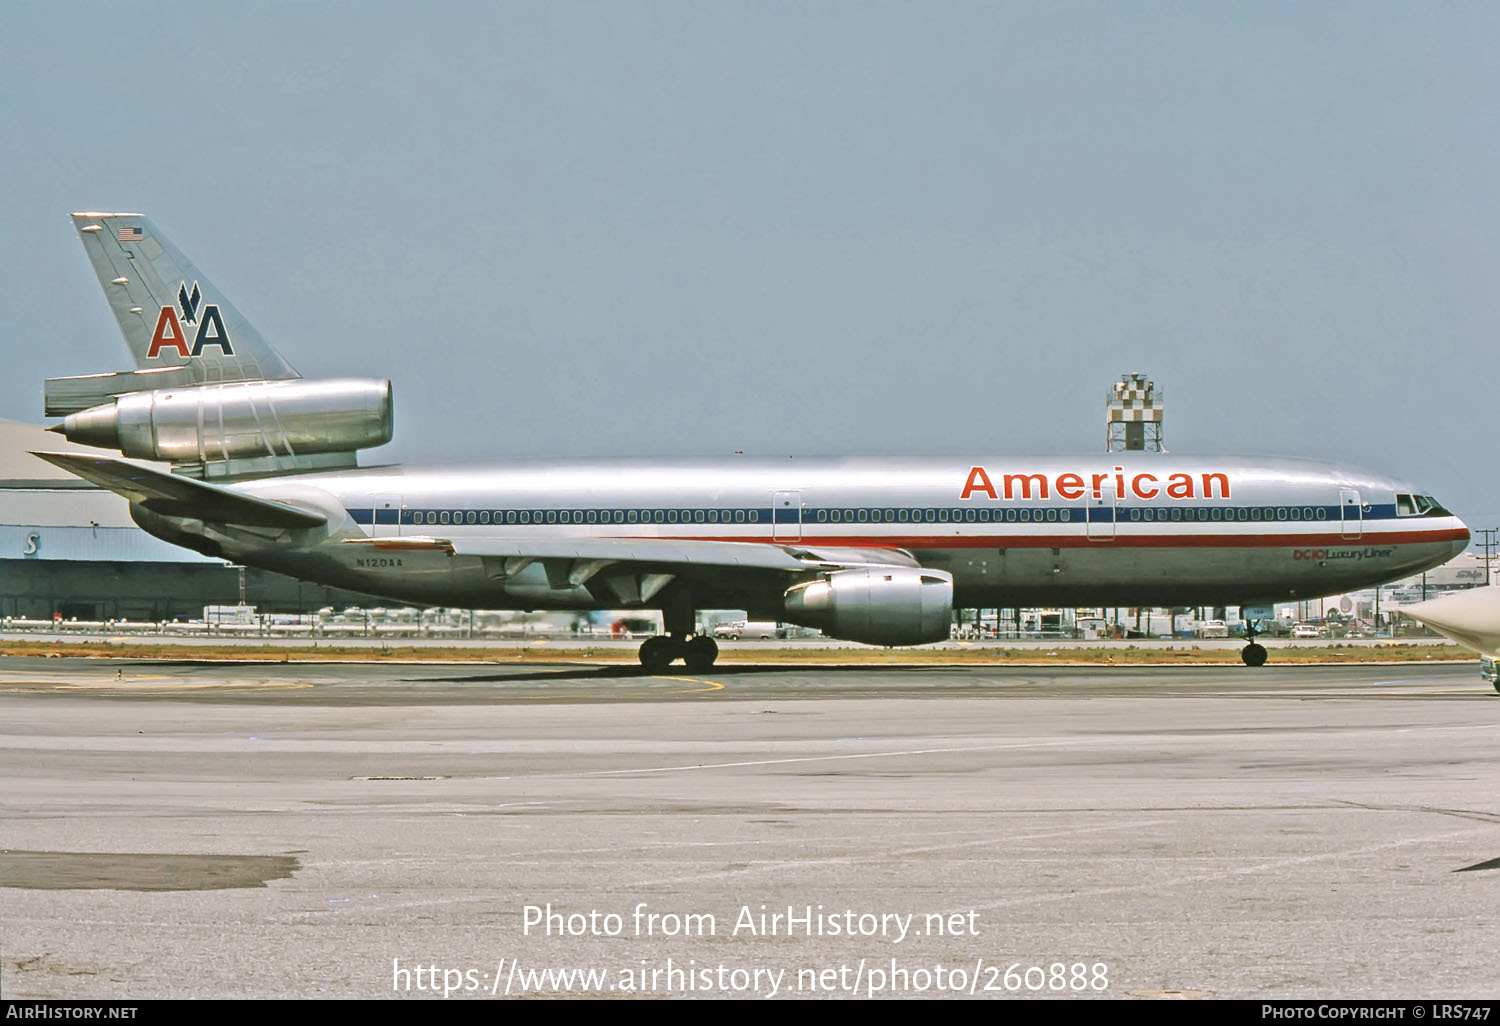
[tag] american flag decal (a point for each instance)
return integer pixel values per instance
(130, 235)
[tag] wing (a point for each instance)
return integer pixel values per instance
(634, 569)
(177, 496)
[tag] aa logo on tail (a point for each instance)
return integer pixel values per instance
(172, 328)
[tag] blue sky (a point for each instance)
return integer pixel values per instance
(693, 228)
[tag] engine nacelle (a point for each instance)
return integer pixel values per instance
(884, 606)
(240, 420)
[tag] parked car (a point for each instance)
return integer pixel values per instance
(737, 629)
(1309, 630)
(1213, 629)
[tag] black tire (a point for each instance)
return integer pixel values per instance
(1253, 654)
(657, 653)
(699, 653)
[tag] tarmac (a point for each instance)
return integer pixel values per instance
(194, 829)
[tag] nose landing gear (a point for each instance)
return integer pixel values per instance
(1253, 654)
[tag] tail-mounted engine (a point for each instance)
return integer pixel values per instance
(223, 430)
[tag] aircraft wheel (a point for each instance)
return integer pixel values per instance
(657, 653)
(699, 653)
(1253, 654)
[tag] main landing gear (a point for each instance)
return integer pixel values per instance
(1253, 654)
(697, 651)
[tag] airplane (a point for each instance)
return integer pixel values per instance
(1470, 617)
(263, 470)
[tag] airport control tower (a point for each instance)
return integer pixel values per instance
(1133, 416)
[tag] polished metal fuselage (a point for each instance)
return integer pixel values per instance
(1121, 529)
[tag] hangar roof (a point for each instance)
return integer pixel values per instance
(20, 469)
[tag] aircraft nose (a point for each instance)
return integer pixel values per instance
(1461, 543)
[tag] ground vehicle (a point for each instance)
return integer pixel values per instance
(1490, 671)
(737, 629)
(633, 627)
(1308, 630)
(1213, 629)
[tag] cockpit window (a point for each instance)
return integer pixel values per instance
(1419, 506)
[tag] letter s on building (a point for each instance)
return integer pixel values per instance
(31, 544)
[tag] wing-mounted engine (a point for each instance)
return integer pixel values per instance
(241, 428)
(878, 606)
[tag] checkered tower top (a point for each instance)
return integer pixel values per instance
(1133, 398)
(1134, 415)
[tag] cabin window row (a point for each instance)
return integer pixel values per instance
(1248, 513)
(860, 516)
(938, 516)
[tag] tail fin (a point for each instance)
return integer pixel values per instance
(171, 315)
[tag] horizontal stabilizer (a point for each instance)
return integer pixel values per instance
(176, 496)
(64, 396)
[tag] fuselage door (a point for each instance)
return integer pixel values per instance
(385, 518)
(1099, 514)
(786, 516)
(1351, 512)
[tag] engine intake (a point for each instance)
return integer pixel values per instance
(885, 606)
(212, 423)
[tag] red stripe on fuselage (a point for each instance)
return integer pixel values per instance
(1077, 541)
